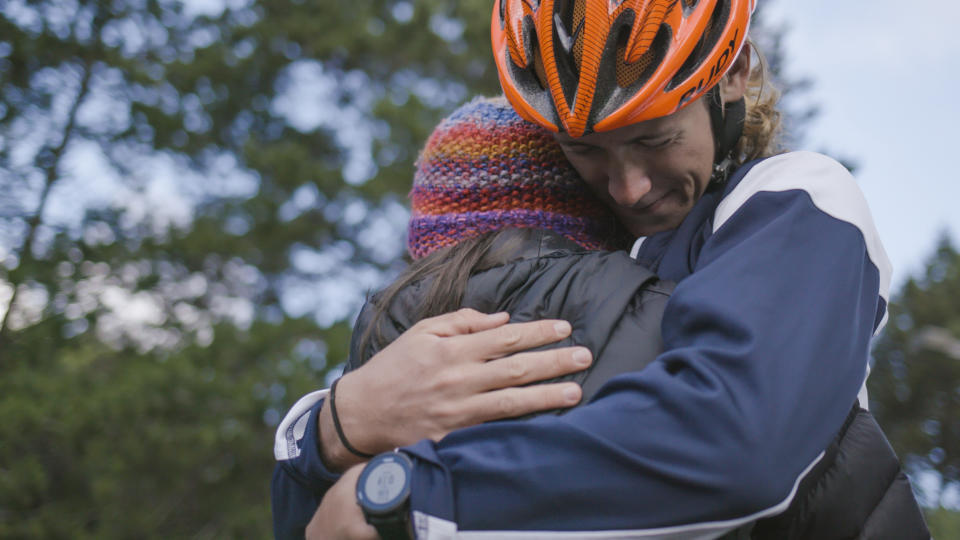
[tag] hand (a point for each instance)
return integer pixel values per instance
(448, 372)
(339, 517)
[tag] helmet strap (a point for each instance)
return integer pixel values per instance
(727, 124)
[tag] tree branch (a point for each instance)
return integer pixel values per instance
(49, 161)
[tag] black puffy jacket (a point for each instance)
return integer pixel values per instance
(856, 491)
(613, 304)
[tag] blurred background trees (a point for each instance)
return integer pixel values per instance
(194, 199)
(915, 384)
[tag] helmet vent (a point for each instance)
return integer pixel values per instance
(689, 5)
(618, 81)
(531, 79)
(569, 18)
(539, 69)
(629, 74)
(579, 13)
(718, 20)
(563, 13)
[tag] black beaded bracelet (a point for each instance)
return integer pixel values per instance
(339, 428)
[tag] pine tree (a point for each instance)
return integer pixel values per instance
(915, 382)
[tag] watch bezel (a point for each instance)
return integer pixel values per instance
(379, 510)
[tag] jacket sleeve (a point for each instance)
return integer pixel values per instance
(300, 478)
(766, 347)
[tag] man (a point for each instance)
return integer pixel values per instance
(782, 282)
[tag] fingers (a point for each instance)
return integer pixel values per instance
(525, 368)
(463, 321)
(339, 516)
(480, 337)
(512, 402)
(503, 379)
(511, 338)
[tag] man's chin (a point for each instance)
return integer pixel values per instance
(649, 225)
(667, 216)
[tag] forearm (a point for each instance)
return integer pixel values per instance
(645, 453)
(334, 454)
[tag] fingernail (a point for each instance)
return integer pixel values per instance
(562, 328)
(572, 394)
(581, 357)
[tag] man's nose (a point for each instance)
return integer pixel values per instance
(628, 182)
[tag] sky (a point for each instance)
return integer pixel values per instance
(884, 73)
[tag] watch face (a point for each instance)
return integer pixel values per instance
(384, 484)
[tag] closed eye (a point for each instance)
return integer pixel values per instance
(657, 142)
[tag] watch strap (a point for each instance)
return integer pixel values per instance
(395, 527)
(387, 506)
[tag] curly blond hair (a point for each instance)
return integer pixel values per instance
(762, 125)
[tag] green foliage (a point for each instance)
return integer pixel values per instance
(943, 523)
(915, 382)
(110, 444)
(146, 358)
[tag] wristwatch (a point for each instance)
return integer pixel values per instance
(383, 492)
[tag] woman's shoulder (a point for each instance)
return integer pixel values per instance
(557, 275)
(544, 253)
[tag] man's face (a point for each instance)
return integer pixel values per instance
(651, 173)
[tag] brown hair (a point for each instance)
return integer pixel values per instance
(445, 272)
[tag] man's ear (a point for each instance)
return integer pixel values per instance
(735, 81)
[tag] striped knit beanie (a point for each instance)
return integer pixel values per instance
(485, 169)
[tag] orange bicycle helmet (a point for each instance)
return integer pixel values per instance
(595, 65)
